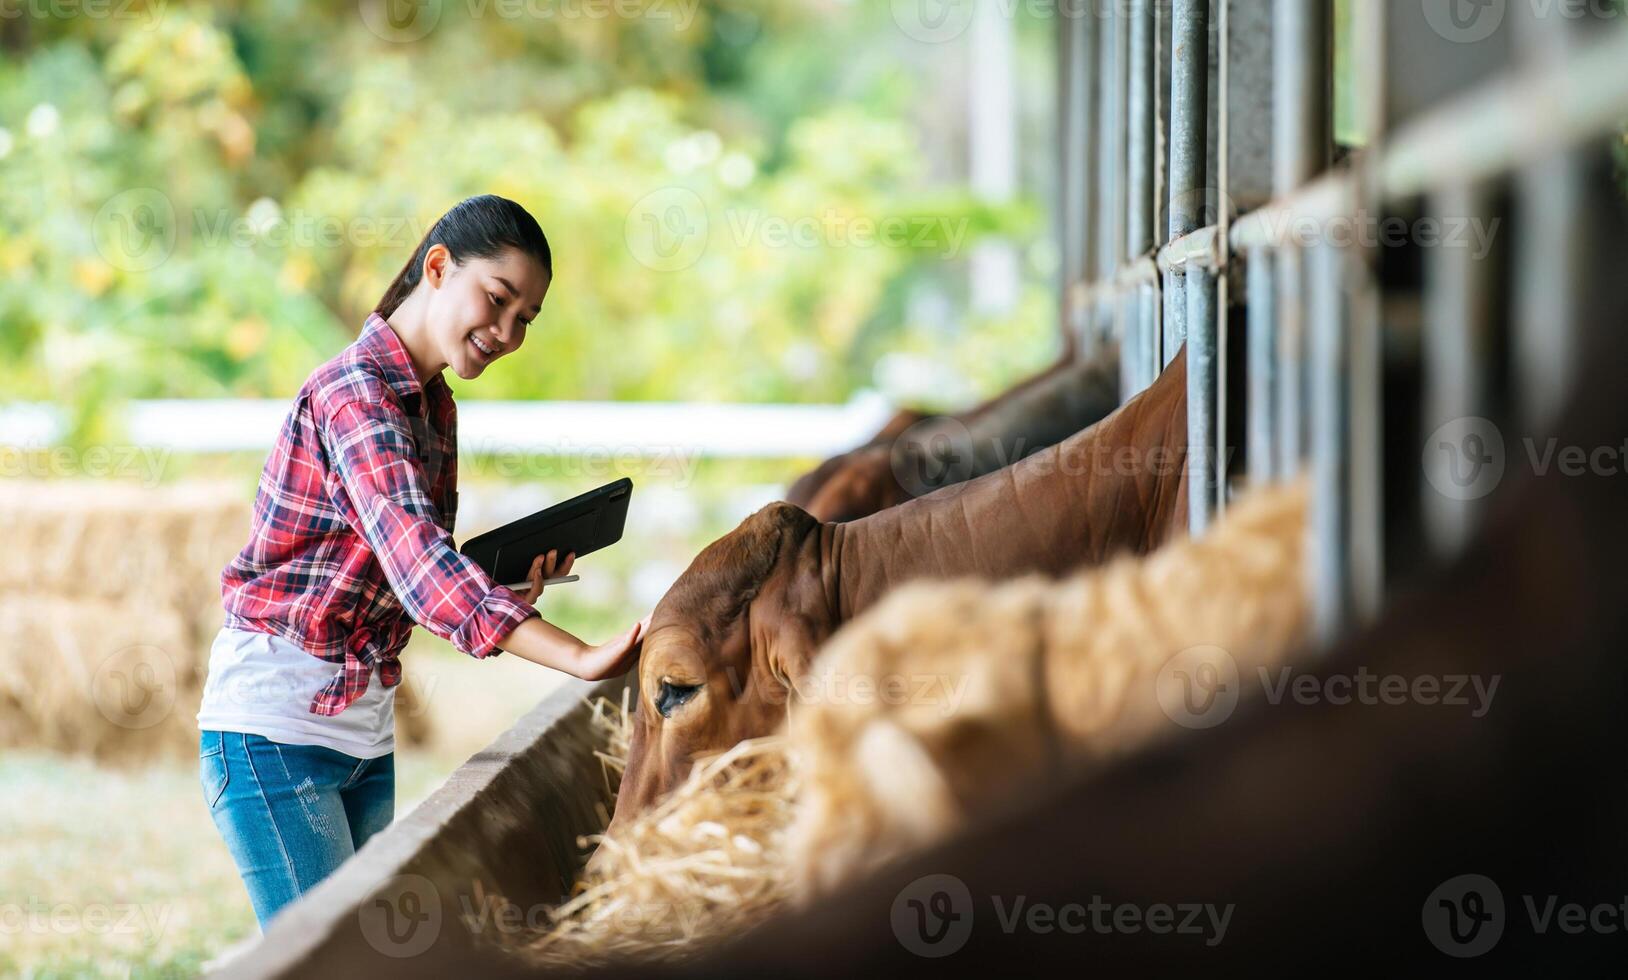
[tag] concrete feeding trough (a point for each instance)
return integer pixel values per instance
(505, 823)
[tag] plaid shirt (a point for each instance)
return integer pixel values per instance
(352, 526)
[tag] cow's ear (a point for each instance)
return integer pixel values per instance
(792, 649)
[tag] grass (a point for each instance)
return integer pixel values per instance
(119, 872)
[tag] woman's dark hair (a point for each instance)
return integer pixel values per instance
(476, 228)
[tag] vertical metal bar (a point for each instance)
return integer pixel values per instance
(1291, 368)
(1076, 178)
(1130, 316)
(1548, 209)
(1189, 113)
(1300, 148)
(1302, 74)
(1365, 469)
(1111, 145)
(1191, 299)
(1148, 300)
(1263, 366)
(1202, 361)
(1139, 128)
(1139, 189)
(1161, 168)
(1174, 332)
(1367, 415)
(1221, 88)
(1188, 109)
(1330, 454)
(1109, 212)
(1061, 219)
(1087, 60)
(1457, 357)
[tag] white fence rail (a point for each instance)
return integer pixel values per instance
(556, 428)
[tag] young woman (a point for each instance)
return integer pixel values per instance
(350, 545)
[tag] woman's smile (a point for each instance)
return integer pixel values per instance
(486, 351)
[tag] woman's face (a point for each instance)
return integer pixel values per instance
(479, 310)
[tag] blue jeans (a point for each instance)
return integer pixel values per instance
(291, 814)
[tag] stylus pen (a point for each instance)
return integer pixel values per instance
(523, 586)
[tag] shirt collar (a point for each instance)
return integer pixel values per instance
(380, 343)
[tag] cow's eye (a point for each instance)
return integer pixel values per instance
(670, 696)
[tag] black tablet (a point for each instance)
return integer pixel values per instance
(581, 525)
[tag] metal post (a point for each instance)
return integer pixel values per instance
(1089, 52)
(1189, 110)
(1161, 168)
(1106, 76)
(1300, 148)
(1139, 351)
(1203, 354)
(1190, 303)
(1083, 115)
(1070, 138)
(1107, 227)
(1330, 450)
(1547, 259)
(1367, 368)
(1302, 70)
(1291, 368)
(1365, 470)
(1457, 360)
(1263, 366)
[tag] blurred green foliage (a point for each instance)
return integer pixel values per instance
(205, 200)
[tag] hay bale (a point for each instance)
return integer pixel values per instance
(108, 602)
(102, 676)
(1050, 674)
(162, 546)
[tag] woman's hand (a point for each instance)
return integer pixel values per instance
(614, 657)
(543, 567)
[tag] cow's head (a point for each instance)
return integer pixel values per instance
(724, 646)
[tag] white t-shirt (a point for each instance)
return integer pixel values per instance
(263, 684)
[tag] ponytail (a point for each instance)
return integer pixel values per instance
(476, 228)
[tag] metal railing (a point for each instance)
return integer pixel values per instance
(1446, 118)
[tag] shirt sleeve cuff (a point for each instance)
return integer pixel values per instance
(494, 618)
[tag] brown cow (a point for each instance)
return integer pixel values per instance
(938, 452)
(745, 619)
(804, 488)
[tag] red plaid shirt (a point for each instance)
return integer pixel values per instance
(351, 540)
